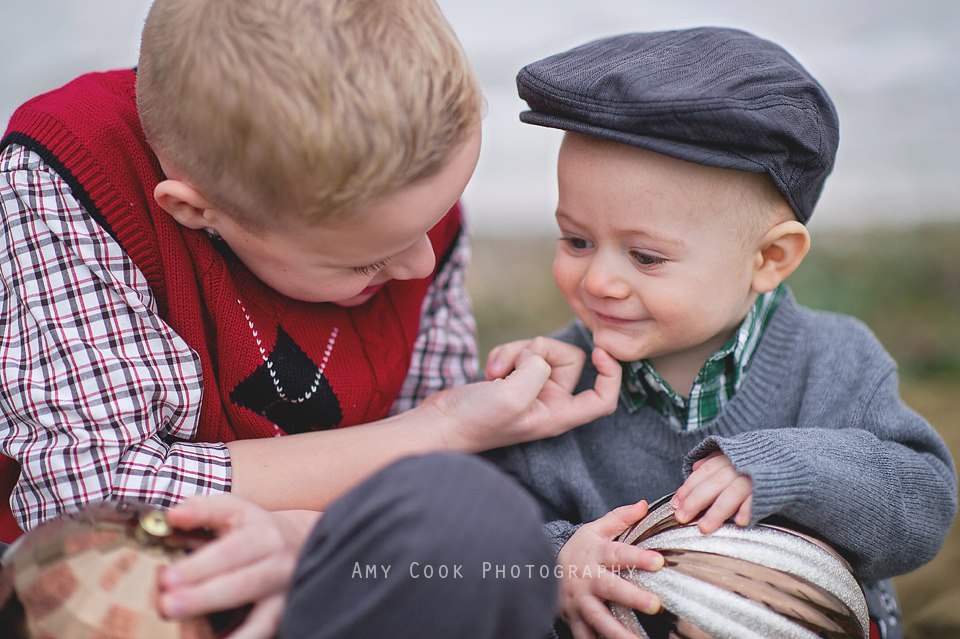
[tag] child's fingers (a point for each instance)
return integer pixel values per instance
(559, 355)
(263, 620)
(710, 477)
(228, 590)
(503, 358)
(726, 505)
(602, 398)
(609, 372)
(526, 380)
(702, 470)
(585, 407)
(580, 630)
(742, 518)
(224, 554)
(700, 462)
(705, 493)
(495, 365)
(617, 589)
(619, 556)
(566, 360)
(619, 519)
(216, 512)
(602, 621)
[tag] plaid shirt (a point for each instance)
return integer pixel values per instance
(99, 397)
(717, 381)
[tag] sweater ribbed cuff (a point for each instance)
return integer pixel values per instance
(558, 532)
(781, 480)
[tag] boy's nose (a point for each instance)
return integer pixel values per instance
(602, 279)
(414, 263)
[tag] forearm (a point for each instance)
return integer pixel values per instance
(559, 533)
(864, 495)
(311, 470)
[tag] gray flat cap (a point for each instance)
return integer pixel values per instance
(713, 96)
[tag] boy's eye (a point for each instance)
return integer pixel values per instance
(646, 259)
(371, 269)
(576, 243)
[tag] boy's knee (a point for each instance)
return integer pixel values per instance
(448, 478)
(463, 504)
(439, 537)
(449, 510)
(478, 532)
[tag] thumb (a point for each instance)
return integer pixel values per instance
(526, 380)
(217, 512)
(609, 372)
(263, 621)
(619, 519)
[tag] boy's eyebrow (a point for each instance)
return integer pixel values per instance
(653, 235)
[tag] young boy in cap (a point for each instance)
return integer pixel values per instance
(690, 164)
(256, 234)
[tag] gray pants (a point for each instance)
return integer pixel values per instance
(442, 546)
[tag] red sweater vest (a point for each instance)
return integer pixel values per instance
(271, 365)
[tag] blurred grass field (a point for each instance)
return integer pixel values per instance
(904, 283)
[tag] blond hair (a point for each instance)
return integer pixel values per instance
(304, 108)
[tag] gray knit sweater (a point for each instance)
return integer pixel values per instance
(817, 424)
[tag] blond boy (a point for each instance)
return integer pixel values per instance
(690, 164)
(255, 234)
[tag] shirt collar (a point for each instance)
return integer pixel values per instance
(716, 383)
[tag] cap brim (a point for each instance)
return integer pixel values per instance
(674, 148)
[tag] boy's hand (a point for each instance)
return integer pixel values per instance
(589, 563)
(566, 360)
(714, 484)
(251, 561)
(532, 402)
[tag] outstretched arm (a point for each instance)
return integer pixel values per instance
(314, 468)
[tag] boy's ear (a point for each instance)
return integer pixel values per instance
(782, 249)
(186, 204)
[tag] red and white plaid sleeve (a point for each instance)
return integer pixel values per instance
(445, 353)
(98, 396)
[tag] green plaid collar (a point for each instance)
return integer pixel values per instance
(718, 380)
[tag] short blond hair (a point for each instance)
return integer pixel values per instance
(304, 108)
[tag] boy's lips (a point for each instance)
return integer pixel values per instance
(370, 290)
(610, 319)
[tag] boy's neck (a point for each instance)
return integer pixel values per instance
(680, 369)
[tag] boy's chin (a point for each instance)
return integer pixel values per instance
(362, 297)
(618, 350)
(353, 302)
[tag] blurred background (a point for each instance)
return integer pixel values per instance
(886, 231)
